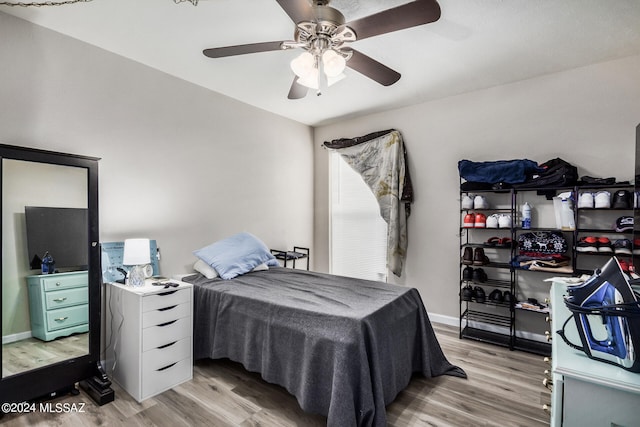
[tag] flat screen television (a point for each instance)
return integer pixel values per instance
(63, 232)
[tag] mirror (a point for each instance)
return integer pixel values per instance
(50, 322)
(42, 326)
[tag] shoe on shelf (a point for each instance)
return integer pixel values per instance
(585, 200)
(496, 296)
(480, 202)
(467, 256)
(587, 244)
(469, 220)
(492, 241)
(479, 275)
(621, 199)
(504, 221)
(479, 295)
(479, 258)
(466, 202)
(492, 221)
(624, 223)
(467, 273)
(481, 221)
(508, 298)
(622, 247)
(505, 242)
(624, 265)
(636, 246)
(604, 245)
(467, 293)
(602, 200)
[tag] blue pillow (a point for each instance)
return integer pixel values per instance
(236, 255)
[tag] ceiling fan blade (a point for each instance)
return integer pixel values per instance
(408, 15)
(242, 49)
(297, 90)
(298, 10)
(373, 69)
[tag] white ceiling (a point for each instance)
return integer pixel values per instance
(476, 44)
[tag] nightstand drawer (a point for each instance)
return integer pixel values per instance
(65, 282)
(165, 299)
(159, 335)
(161, 379)
(166, 355)
(66, 298)
(67, 317)
(166, 314)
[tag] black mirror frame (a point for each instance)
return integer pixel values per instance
(53, 379)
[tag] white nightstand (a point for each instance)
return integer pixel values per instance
(149, 337)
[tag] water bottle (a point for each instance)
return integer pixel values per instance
(526, 216)
(47, 263)
(568, 222)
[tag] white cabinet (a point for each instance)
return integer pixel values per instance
(587, 392)
(149, 337)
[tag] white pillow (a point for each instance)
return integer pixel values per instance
(205, 269)
(261, 267)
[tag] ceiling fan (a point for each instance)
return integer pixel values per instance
(325, 38)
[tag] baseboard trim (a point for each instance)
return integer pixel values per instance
(8, 339)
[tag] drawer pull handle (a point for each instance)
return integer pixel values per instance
(164, 294)
(167, 345)
(60, 299)
(167, 323)
(58, 283)
(166, 367)
(61, 319)
(168, 308)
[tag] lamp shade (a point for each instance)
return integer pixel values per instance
(303, 64)
(136, 252)
(334, 63)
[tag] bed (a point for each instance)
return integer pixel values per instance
(343, 347)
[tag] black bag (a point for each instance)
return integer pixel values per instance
(557, 173)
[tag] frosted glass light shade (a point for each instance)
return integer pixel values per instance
(136, 252)
(303, 64)
(333, 62)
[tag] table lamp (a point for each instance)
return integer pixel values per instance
(136, 254)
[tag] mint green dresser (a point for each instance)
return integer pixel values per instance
(58, 304)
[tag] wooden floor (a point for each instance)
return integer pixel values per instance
(504, 388)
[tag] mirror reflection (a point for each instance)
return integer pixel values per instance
(44, 265)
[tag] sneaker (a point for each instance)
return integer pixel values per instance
(496, 296)
(621, 199)
(508, 298)
(492, 221)
(481, 221)
(585, 200)
(469, 221)
(504, 221)
(587, 244)
(467, 274)
(604, 245)
(624, 265)
(622, 246)
(602, 200)
(467, 293)
(624, 223)
(479, 275)
(480, 202)
(479, 295)
(466, 202)
(636, 246)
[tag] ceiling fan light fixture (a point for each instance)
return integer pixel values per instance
(310, 80)
(303, 65)
(334, 63)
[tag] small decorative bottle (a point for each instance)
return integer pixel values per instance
(47, 263)
(526, 216)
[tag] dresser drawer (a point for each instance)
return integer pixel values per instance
(66, 298)
(67, 317)
(166, 314)
(161, 379)
(54, 282)
(166, 333)
(165, 299)
(161, 357)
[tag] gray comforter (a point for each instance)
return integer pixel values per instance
(344, 347)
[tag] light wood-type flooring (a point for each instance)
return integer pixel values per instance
(504, 388)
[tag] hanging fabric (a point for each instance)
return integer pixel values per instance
(380, 158)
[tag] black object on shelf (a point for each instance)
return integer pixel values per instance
(294, 255)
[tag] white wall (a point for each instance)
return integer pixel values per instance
(180, 164)
(586, 116)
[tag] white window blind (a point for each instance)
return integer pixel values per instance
(358, 232)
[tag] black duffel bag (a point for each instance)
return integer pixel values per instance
(556, 173)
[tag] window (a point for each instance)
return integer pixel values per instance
(358, 232)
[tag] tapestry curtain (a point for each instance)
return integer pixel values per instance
(380, 158)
